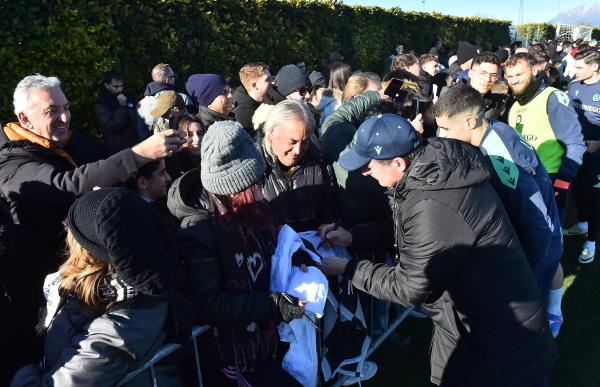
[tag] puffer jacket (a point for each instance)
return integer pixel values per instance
(199, 250)
(458, 255)
(306, 198)
(99, 350)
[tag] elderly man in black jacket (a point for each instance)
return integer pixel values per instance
(43, 168)
(298, 183)
(457, 255)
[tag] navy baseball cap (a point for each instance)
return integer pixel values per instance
(382, 137)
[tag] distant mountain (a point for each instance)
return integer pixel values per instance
(585, 14)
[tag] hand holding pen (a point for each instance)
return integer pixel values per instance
(335, 234)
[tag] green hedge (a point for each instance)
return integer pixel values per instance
(78, 40)
(540, 31)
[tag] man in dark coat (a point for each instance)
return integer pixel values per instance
(256, 79)
(43, 168)
(457, 255)
(115, 112)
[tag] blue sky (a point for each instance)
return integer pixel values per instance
(535, 11)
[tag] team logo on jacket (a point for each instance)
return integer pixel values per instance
(596, 97)
(562, 97)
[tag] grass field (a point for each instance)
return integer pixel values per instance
(579, 339)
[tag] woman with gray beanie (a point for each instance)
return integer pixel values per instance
(226, 241)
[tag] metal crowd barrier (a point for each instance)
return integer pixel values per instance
(340, 379)
(166, 350)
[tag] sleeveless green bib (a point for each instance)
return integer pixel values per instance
(532, 122)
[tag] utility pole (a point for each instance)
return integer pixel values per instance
(519, 18)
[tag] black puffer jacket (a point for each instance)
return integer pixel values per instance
(458, 255)
(203, 263)
(307, 198)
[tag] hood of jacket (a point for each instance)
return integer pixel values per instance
(187, 197)
(153, 88)
(445, 164)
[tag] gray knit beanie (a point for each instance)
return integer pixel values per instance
(230, 161)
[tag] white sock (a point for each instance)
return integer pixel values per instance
(554, 301)
(582, 225)
(590, 245)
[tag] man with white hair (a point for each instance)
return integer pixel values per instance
(44, 167)
(298, 183)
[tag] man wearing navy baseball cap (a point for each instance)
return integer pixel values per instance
(378, 147)
(458, 257)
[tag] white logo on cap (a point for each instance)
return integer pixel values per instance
(378, 149)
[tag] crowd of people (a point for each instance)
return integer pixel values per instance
(441, 185)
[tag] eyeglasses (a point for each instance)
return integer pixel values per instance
(485, 74)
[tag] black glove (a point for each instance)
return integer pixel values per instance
(561, 190)
(288, 306)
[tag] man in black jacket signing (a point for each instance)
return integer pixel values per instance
(458, 256)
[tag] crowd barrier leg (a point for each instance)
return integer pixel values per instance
(166, 350)
(340, 379)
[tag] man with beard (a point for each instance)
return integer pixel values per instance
(545, 117)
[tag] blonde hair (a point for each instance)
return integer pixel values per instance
(82, 274)
(358, 83)
(251, 71)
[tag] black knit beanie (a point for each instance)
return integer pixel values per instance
(115, 225)
(466, 51)
(291, 78)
